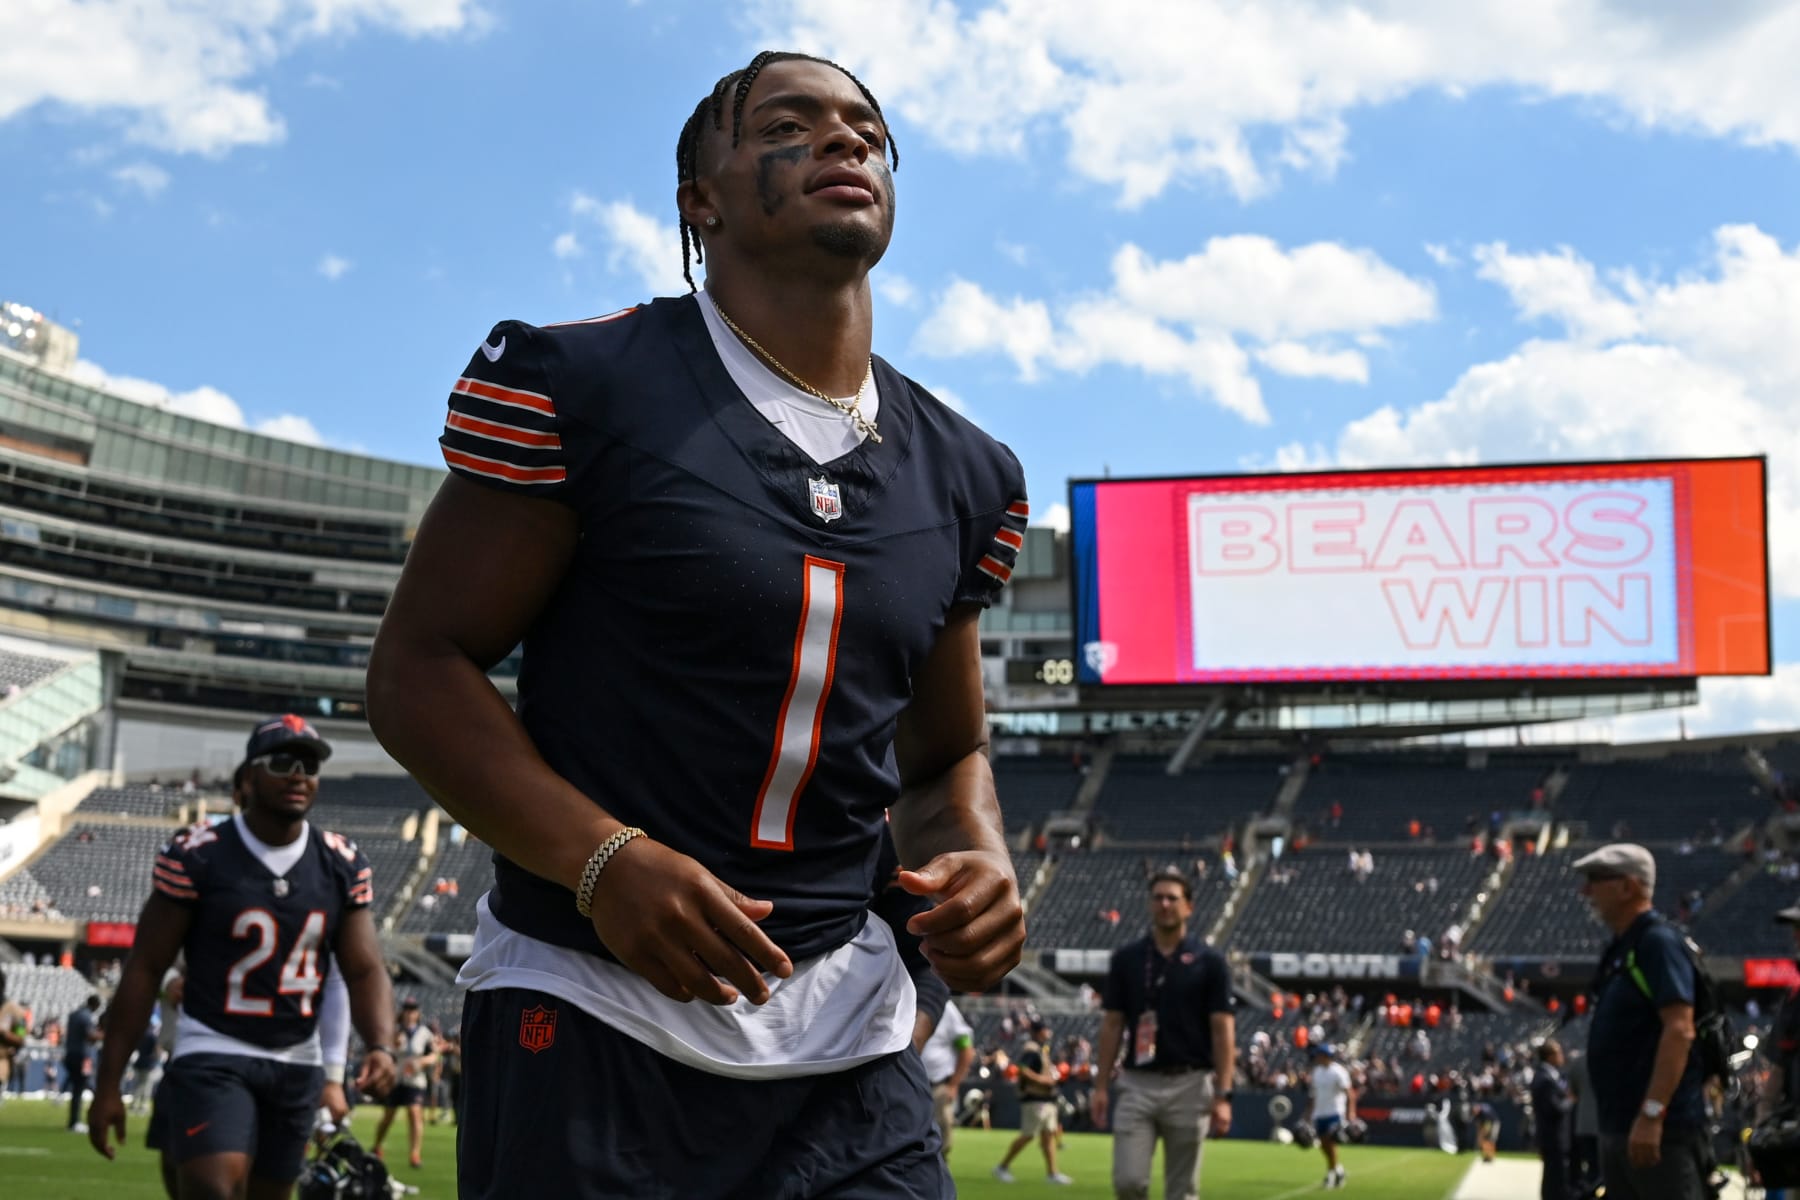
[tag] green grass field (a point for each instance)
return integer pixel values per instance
(39, 1160)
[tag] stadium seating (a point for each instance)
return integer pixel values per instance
(1030, 789)
(21, 895)
(1540, 912)
(471, 865)
(1382, 795)
(1323, 907)
(49, 992)
(1743, 924)
(137, 800)
(1465, 1046)
(1072, 912)
(23, 670)
(101, 872)
(392, 861)
(1694, 797)
(1141, 804)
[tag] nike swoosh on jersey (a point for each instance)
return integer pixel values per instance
(196, 1129)
(493, 353)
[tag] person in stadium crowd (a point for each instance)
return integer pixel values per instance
(1333, 1105)
(1551, 1102)
(14, 1027)
(416, 1048)
(746, 561)
(81, 1034)
(1168, 1005)
(1646, 1078)
(256, 904)
(947, 1055)
(1039, 1119)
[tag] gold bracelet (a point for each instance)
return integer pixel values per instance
(590, 874)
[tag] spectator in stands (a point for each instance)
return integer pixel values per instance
(1170, 995)
(1550, 1105)
(1785, 1032)
(83, 1032)
(1649, 1091)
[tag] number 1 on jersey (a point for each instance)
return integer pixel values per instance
(803, 707)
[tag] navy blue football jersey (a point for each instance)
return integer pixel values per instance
(724, 662)
(258, 945)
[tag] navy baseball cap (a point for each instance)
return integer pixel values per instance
(286, 732)
(1323, 1050)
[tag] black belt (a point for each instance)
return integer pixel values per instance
(937, 1083)
(1172, 1068)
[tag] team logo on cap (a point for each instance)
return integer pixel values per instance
(537, 1028)
(827, 503)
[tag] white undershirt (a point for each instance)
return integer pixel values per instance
(193, 1036)
(820, 430)
(840, 1009)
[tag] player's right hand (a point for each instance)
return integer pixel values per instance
(1097, 1108)
(678, 925)
(106, 1116)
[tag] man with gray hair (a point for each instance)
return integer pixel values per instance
(1647, 1082)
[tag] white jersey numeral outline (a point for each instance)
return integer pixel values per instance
(299, 973)
(796, 750)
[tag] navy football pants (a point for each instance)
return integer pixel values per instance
(591, 1113)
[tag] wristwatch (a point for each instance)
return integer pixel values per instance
(1654, 1109)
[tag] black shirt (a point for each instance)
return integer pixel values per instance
(1035, 1057)
(76, 1037)
(1628, 1024)
(1184, 989)
(1550, 1104)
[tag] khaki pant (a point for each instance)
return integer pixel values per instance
(1037, 1117)
(943, 1104)
(1148, 1105)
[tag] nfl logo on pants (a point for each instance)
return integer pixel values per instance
(537, 1028)
(827, 504)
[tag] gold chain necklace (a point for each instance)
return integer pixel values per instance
(853, 410)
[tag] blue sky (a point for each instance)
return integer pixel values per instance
(1138, 237)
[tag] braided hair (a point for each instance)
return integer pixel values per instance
(712, 107)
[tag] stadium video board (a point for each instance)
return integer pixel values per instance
(1549, 571)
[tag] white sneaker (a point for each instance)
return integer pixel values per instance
(78, 1127)
(1059, 1177)
(1003, 1175)
(1341, 1176)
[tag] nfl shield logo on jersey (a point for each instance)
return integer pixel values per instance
(537, 1028)
(827, 504)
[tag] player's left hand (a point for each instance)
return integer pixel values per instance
(376, 1075)
(1221, 1118)
(975, 933)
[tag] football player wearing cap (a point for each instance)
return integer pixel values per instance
(255, 903)
(417, 1049)
(1646, 1077)
(1333, 1106)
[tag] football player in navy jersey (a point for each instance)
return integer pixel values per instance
(746, 561)
(257, 904)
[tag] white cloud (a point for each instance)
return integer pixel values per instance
(1055, 516)
(896, 289)
(638, 243)
(201, 403)
(1187, 319)
(1306, 362)
(1442, 256)
(1013, 252)
(1705, 364)
(334, 267)
(147, 178)
(567, 246)
(1145, 94)
(184, 75)
(290, 428)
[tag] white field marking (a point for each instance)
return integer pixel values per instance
(1310, 1188)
